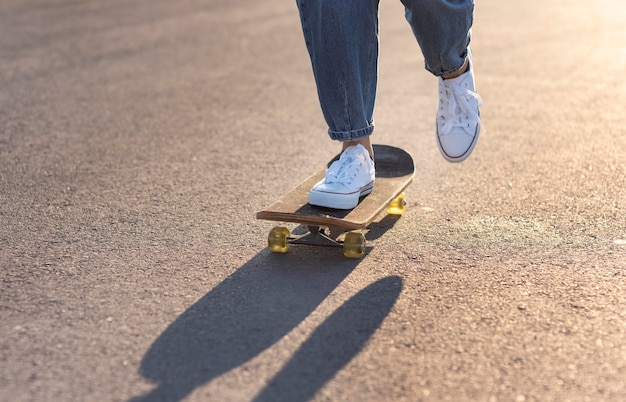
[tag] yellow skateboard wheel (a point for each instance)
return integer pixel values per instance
(354, 245)
(277, 240)
(398, 205)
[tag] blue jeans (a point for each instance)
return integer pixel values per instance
(342, 39)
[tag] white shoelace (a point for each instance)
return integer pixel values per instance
(459, 98)
(346, 168)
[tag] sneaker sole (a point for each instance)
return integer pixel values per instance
(339, 200)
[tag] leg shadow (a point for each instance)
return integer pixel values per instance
(237, 320)
(340, 338)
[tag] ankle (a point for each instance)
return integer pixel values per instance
(364, 141)
(464, 68)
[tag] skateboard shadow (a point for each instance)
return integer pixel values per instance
(378, 228)
(250, 311)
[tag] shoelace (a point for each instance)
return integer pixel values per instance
(459, 97)
(344, 170)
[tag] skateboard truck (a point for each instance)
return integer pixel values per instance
(316, 236)
(280, 238)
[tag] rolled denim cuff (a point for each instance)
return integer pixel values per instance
(352, 135)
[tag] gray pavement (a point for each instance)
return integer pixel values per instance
(137, 139)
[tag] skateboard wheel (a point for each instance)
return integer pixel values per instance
(398, 205)
(354, 245)
(277, 240)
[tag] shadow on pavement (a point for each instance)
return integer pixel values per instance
(378, 228)
(338, 339)
(250, 311)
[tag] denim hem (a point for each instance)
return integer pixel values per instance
(439, 73)
(352, 135)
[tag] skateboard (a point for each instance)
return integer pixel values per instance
(394, 172)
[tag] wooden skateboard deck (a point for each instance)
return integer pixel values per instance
(394, 172)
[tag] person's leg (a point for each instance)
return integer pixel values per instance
(442, 29)
(342, 39)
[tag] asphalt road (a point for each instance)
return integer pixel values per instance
(138, 138)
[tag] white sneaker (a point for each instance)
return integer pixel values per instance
(346, 180)
(458, 117)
